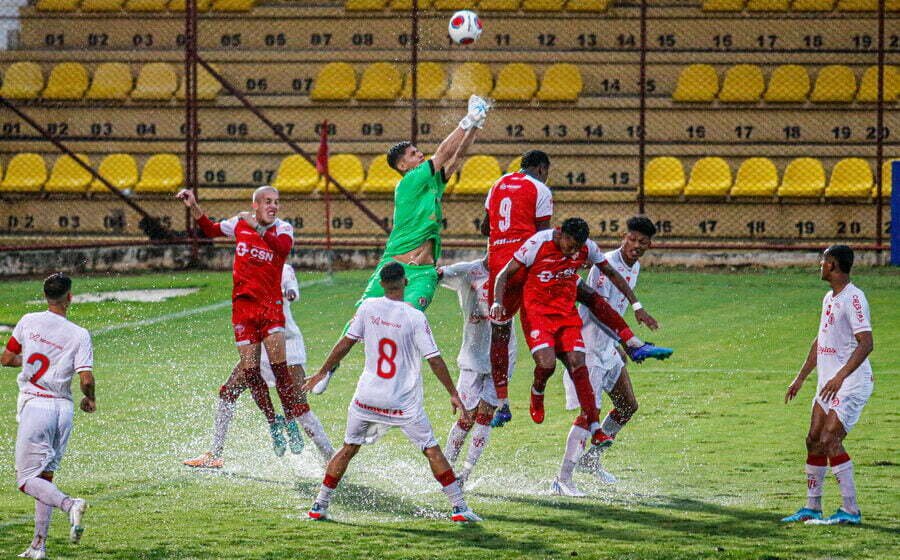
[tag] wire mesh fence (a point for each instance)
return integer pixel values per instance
(731, 123)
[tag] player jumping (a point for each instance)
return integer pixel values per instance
(389, 392)
(518, 206)
(50, 349)
(604, 361)
(475, 386)
(263, 242)
(840, 355)
(295, 350)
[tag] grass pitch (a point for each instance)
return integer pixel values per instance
(710, 462)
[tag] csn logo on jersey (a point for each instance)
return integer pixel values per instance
(255, 252)
(549, 275)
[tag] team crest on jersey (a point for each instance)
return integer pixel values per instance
(423, 302)
(535, 333)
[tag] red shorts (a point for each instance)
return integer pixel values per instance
(254, 321)
(560, 332)
(512, 297)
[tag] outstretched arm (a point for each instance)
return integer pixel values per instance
(341, 349)
(453, 164)
(622, 285)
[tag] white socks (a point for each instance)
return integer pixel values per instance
(43, 514)
(610, 427)
(481, 433)
(454, 494)
(815, 478)
(224, 414)
(455, 440)
(843, 472)
(634, 342)
(324, 497)
(47, 493)
(316, 433)
(574, 448)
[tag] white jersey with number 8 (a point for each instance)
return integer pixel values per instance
(397, 338)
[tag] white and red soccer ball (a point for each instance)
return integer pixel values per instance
(464, 27)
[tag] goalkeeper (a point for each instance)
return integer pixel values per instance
(415, 241)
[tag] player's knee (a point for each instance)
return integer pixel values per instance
(812, 442)
(827, 442)
(464, 425)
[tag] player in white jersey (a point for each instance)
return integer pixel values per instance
(475, 384)
(605, 361)
(840, 355)
(397, 338)
(50, 349)
(295, 350)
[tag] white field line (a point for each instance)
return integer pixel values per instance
(182, 314)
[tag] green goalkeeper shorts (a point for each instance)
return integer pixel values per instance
(423, 281)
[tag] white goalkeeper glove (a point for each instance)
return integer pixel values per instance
(477, 113)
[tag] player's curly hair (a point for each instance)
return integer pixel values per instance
(576, 228)
(395, 153)
(391, 273)
(842, 255)
(535, 158)
(641, 224)
(56, 286)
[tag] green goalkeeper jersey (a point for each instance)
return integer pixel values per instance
(417, 210)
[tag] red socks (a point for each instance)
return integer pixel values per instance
(500, 363)
(816, 460)
(260, 392)
(608, 316)
(483, 419)
(586, 397)
(837, 460)
(287, 392)
(446, 478)
(330, 481)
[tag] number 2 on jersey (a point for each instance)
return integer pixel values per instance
(387, 351)
(44, 362)
(505, 213)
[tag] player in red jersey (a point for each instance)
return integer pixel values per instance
(552, 326)
(263, 242)
(518, 206)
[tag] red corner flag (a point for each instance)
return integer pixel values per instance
(322, 156)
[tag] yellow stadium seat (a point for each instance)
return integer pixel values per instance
(723, 5)
(162, 174)
(697, 83)
(470, 78)
(812, 5)
(788, 84)
(101, 5)
(345, 169)
(296, 175)
(68, 176)
(886, 174)
(756, 177)
(499, 5)
(561, 82)
(743, 83)
(179, 5)
(364, 5)
(710, 176)
(868, 86)
(56, 5)
(857, 5)
(514, 165)
(406, 5)
(208, 87)
(145, 5)
(156, 82)
(68, 80)
(120, 170)
(543, 5)
(803, 177)
(587, 5)
(22, 80)
(112, 80)
(431, 82)
(835, 83)
(767, 5)
(336, 82)
(25, 173)
(664, 176)
(477, 175)
(515, 82)
(850, 178)
(453, 5)
(233, 5)
(380, 177)
(380, 81)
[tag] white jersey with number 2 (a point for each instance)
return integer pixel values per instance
(397, 338)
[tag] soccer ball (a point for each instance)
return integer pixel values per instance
(464, 27)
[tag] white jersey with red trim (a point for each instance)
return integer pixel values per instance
(515, 203)
(397, 338)
(53, 350)
(601, 347)
(843, 316)
(289, 283)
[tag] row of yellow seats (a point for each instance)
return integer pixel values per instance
(27, 172)
(789, 83)
(383, 81)
(142, 5)
(758, 177)
(156, 81)
(483, 5)
(798, 5)
(296, 175)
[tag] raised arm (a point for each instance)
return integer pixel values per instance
(808, 365)
(209, 228)
(453, 148)
(453, 164)
(622, 285)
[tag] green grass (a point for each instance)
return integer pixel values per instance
(710, 462)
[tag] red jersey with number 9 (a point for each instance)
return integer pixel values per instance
(53, 350)
(514, 205)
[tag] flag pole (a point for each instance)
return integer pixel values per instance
(322, 164)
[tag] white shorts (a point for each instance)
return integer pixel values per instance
(473, 387)
(44, 428)
(294, 349)
(847, 404)
(364, 429)
(602, 380)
